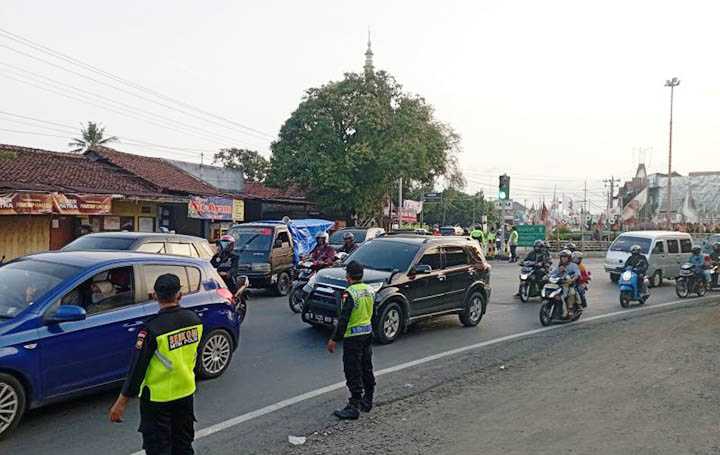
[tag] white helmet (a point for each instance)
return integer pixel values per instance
(322, 235)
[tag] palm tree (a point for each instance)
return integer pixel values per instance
(94, 134)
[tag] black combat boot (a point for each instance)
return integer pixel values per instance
(366, 403)
(350, 412)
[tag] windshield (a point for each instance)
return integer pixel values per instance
(89, 243)
(625, 242)
(337, 237)
(252, 239)
(23, 282)
(385, 255)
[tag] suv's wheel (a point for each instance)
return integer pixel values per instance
(216, 350)
(473, 312)
(657, 279)
(12, 404)
(389, 324)
(283, 285)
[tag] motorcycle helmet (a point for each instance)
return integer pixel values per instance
(696, 250)
(226, 243)
(565, 254)
(322, 235)
(635, 249)
(577, 257)
(348, 236)
(571, 246)
(538, 245)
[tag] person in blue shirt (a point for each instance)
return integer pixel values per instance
(697, 259)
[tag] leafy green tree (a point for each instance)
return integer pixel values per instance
(253, 165)
(93, 134)
(459, 208)
(348, 142)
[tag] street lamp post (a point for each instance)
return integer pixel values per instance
(672, 83)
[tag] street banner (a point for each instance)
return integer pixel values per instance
(81, 204)
(47, 203)
(210, 208)
(528, 233)
(238, 212)
(416, 206)
(408, 215)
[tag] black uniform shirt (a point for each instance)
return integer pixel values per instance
(167, 320)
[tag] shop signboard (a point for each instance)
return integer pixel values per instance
(238, 212)
(25, 204)
(81, 204)
(210, 208)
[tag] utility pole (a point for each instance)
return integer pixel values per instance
(400, 203)
(672, 83)
(611, 194)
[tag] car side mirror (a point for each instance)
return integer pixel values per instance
(67, 313)
(422, 269)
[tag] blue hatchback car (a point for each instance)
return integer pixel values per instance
(68, 322)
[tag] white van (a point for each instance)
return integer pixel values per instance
(666, 251)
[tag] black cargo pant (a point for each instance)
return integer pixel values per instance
(167, 428)
(358, 367)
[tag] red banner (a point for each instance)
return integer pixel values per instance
(47, 203)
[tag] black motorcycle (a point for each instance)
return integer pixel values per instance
(533, 277)
(301, 276)
(553, 307)
(690, 282)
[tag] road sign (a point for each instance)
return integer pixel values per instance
(432, 197)
(528, 233)
(504, 205)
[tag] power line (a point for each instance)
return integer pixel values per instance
(124, 106)
(59, 55)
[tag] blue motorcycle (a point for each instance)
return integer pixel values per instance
(630, 288)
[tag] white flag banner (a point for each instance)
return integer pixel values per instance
(415, 206)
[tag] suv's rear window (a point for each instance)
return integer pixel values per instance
(252, 238)
(89, 243)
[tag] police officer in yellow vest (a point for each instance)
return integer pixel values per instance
(162, 374)
(355, 328)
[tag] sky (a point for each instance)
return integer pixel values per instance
(553, 93)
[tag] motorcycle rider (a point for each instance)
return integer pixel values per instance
(323, 255)
(698, 261)
(349, 245)
(541, 257)
(584, 279)
(224, 260)
(715, 261)
(571, 247)
(568, 268)
(639, 263)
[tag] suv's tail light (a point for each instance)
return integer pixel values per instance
(226, 294)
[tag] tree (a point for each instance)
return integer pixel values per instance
(459, 208)
(348, 142)
(253, 165)
(94, 134)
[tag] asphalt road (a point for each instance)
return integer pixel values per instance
(280, 357)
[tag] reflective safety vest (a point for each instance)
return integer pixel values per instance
(360, 322)
(170, 375)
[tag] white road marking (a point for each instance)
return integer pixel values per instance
(224, 425)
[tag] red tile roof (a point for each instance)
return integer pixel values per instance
(157, 171)
(260, 191)
(24, 168)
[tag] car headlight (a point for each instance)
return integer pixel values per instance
(260, 267)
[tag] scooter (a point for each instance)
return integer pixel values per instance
(533, 277)
(302, 274)
(689, 282)
(554, 302)
(630, 288)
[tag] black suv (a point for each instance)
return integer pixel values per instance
(415, 277)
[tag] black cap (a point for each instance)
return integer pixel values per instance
(167, 286)
(355, 270)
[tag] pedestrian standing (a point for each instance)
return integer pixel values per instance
(354, 328)
(162, 374)
(500, 241)
(513, 244)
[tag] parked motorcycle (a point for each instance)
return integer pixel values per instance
(630, 288)
(553, 307)
(533, 277)
(690, 282)
(302, 274)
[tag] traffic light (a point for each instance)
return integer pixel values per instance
(504, 190)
